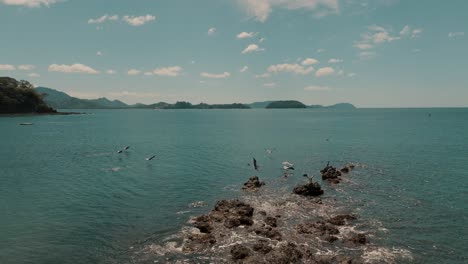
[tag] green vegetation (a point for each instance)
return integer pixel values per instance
(285, 104)
(20, 97)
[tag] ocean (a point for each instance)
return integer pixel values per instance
(67, 196)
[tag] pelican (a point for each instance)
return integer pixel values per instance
(288, 166)
(150, 158)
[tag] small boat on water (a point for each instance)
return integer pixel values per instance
(26, 124)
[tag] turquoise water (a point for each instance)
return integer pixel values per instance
(66, 196)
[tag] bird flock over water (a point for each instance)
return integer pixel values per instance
(120, 151)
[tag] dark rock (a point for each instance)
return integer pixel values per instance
(330, 238)
(330, 173)
(341, 219)
(232, 222)
(359, 239)
(268, 232)
(309, 189)
(196, 242)
(240, 252)
(203, 223)
(285, 254)
(345, 170)
(253, 184)
(271, 221)
(262, 247)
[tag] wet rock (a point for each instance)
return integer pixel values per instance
(330, 173)
(309, 189)
(267, 231)
(359, 239)
(325, 259)
(271, 221)
(196, 242)
(234, 207)
(262, 246)
(240, 252)
(345, 170)
(285, 254)
(253, 184)
(341, 219)
(203, 223)
(330, 238)
(320, 228)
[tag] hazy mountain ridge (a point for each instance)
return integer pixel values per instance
(61, 100)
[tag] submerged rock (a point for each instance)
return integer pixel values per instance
(253, 184)
(309, 189)
(319, 228)
(359, 239)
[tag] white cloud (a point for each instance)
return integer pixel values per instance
(138, 20)
(367, 55)
(74, 68)
(243, 35)
(97, 20)
(456, 34)
(416, 32)
(270, 85)
(26, 67)
(335, 61)
(211, 31)
(133, 72)
(29, 3)
(363, 46)
(263, 75)
(244, 69)
(320, 50)
(351, 74)
(214, 75)
(405, 31)
(34, 75)
(172, 71)
(309, 61)
(110, 72)
(317, 88)
(252, 48)
(99, 53)
(261, 9)
(7, 67)
(325, 71)
(293, 68)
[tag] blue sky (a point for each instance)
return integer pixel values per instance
(372, 53)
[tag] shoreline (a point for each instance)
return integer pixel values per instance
(40, 114)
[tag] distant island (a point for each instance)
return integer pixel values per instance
(285, 104)
(20, 97)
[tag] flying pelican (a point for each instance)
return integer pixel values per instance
(150, 158)
(127, 147)
(255, 164)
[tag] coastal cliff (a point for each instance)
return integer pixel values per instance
(19, 97)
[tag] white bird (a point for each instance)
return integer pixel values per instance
(288, 166)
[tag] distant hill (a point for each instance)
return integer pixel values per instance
(20, 97)
(341, 106)
(298, 104)
(260, 104)
(285, 104)
(61, 100)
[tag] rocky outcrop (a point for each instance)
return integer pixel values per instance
(240, 252)
(253, 184)
(340, 220)
(309, 189)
